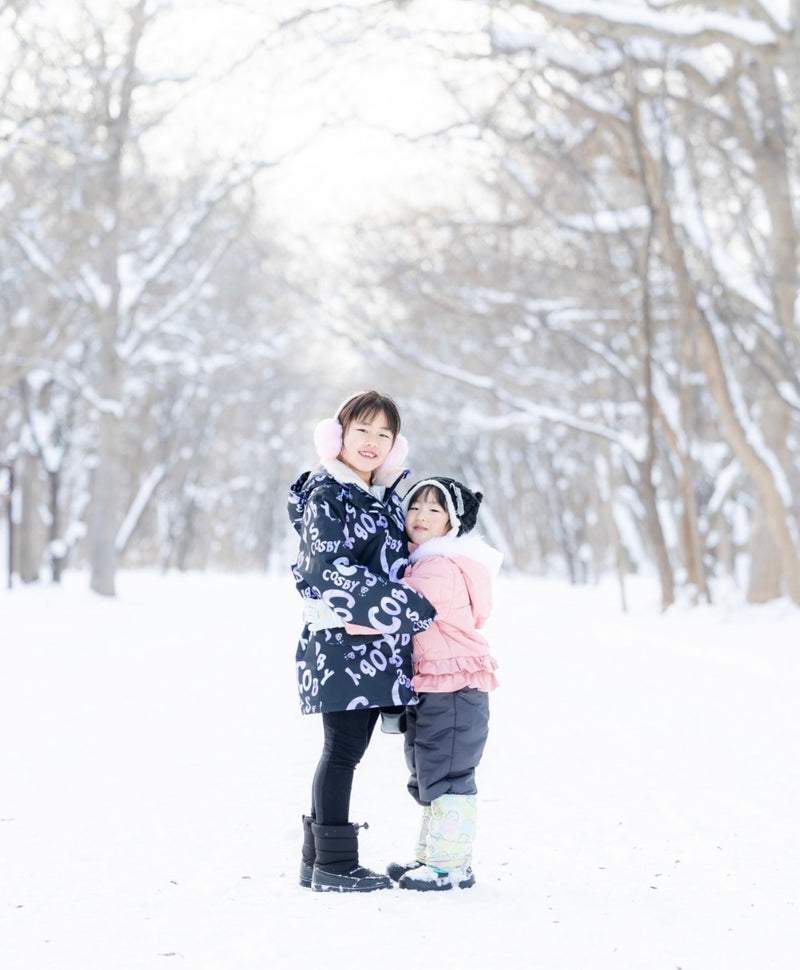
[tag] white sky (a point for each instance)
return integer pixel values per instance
(379, 93)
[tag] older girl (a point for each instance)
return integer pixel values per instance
(353, 552)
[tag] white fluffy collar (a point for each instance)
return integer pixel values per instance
(470, 546)
(346, 476)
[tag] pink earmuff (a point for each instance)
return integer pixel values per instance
(394, 460)
(328, 438)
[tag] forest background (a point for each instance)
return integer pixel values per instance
(563, 234)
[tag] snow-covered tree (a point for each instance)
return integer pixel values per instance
(628, 266)
(122, 256)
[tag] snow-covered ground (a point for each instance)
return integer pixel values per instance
(639, 798)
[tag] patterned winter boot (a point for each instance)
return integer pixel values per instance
(307, 853)
(336, 868)
(397, 869)
(449, 850)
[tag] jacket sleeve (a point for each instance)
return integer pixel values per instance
(326, 565)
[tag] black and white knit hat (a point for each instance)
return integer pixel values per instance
(462, 502)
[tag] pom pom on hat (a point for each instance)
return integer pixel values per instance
(462, 502)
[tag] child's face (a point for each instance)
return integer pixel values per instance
(365, 445)
(426, 519)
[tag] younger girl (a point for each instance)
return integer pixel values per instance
(453, 673)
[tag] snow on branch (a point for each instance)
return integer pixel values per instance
(139, 504)
(103, 404)
(34, 254)
(521, 410)
(526, 413)
(752, 432)
(704, 26)
(172, 307)
(137, 282)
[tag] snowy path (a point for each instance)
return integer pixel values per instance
(639, 804)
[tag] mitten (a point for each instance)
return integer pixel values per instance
(317, 615)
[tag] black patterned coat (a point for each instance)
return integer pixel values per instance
(353, 552)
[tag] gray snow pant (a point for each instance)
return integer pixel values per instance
(444, 742)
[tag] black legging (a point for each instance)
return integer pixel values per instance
(347, 735)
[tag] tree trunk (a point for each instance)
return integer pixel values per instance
(774, 510)
(648, 488)
(655, 533)
(105, 493)
(107, 475)
(681, 446)
(55, 544)
(27, 547)
(765, 567)
(765, 570)
(690, 524)
(605, 489)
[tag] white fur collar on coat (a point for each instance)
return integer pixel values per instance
(346, 476)
(470, 546)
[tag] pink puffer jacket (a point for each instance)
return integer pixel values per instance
(455, 575)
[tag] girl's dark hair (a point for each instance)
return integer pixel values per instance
(365, 406)
(431, 493)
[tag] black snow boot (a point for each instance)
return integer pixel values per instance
(336, 868)
(307, 853)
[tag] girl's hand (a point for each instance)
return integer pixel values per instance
(317, 615)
